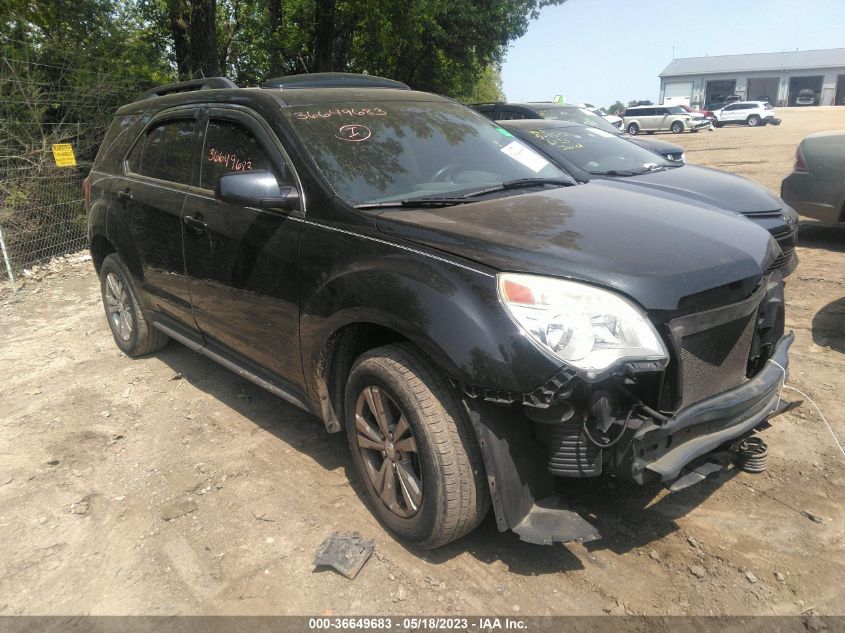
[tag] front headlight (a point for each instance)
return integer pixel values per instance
(587, 327)
(682, 157)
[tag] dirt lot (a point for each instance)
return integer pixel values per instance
(96, 448)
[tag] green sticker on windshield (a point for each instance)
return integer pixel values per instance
(503, 131)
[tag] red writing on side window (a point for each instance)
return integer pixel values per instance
(229, 160)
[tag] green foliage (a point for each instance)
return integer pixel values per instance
(452, 47)
(617, 108)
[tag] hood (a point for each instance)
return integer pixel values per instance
(654, 249)
(711, 186)
(660, 147)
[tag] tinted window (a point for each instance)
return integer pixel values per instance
(230, 147)
(733, 107)
(574, 114)
(164, 152)
(383, 152)
(512, 115)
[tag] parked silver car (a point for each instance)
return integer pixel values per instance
(816, 186)
(652, 118)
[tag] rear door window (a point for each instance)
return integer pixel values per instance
(230, 147)
(512, 115)
(164, 151)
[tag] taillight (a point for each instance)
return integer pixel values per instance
(800, 165)
(86, 189)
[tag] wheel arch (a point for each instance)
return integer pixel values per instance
(348, 342)
(100, 248)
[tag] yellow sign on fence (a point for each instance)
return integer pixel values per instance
(63, 153)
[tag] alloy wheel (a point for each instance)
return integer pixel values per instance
(119, 307)
(388, 451)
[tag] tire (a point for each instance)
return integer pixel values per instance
(677, 127)
(753, 120)
(132, 333)
(633, 129)
(694, 131)
(717, 124)
(443, 493)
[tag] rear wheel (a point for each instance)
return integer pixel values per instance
(414, 448)
(753, 120)
(677, 127)
(131, 331)
(633, 129)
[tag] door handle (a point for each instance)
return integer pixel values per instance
(196, 225)
(125, 195)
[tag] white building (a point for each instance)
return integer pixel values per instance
(780, 77)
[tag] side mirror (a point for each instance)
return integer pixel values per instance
(256, 189)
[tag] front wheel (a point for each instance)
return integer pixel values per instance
(131, 330)
(753, 120)
(677, 127)
(413, 447)
(633, 129)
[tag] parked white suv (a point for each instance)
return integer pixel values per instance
(653, 118)
(751, 113)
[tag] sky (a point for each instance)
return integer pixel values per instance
(598, 51)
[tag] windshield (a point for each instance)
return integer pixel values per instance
(577, 115)
(402, 150)
(596, 151)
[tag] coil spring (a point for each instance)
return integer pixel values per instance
(753, 455)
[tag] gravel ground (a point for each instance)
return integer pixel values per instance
(167, 485)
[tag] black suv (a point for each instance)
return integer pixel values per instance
(500, 111)
(408, 271)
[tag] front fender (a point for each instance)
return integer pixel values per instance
(450, 310)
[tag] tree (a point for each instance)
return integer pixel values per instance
(616, 108)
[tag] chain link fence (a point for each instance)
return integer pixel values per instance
(45, 102)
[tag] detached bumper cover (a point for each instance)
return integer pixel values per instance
(663, 451)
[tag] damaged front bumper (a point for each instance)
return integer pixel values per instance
(522, 480)
(664, 450)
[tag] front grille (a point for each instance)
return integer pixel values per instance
(786, 239)
(716, 359)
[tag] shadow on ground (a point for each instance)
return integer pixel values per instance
(829, 326)
(816, 235)
(628, 516)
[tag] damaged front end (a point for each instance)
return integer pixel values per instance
(645, 421)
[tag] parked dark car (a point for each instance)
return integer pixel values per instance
(816, 186)
(559, 112)
(588, 154)
(408, 271)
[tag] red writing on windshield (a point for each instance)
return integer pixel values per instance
(232, 161)
(308, 115)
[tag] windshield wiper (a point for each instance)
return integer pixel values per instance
(616, 172)
(521, 183)
(414, 202)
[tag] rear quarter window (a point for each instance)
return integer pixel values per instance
(115, 140)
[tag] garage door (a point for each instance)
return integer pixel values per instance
(678, 93)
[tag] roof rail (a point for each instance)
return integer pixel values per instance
(208, 83)
(333, 80)
(487, 103)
